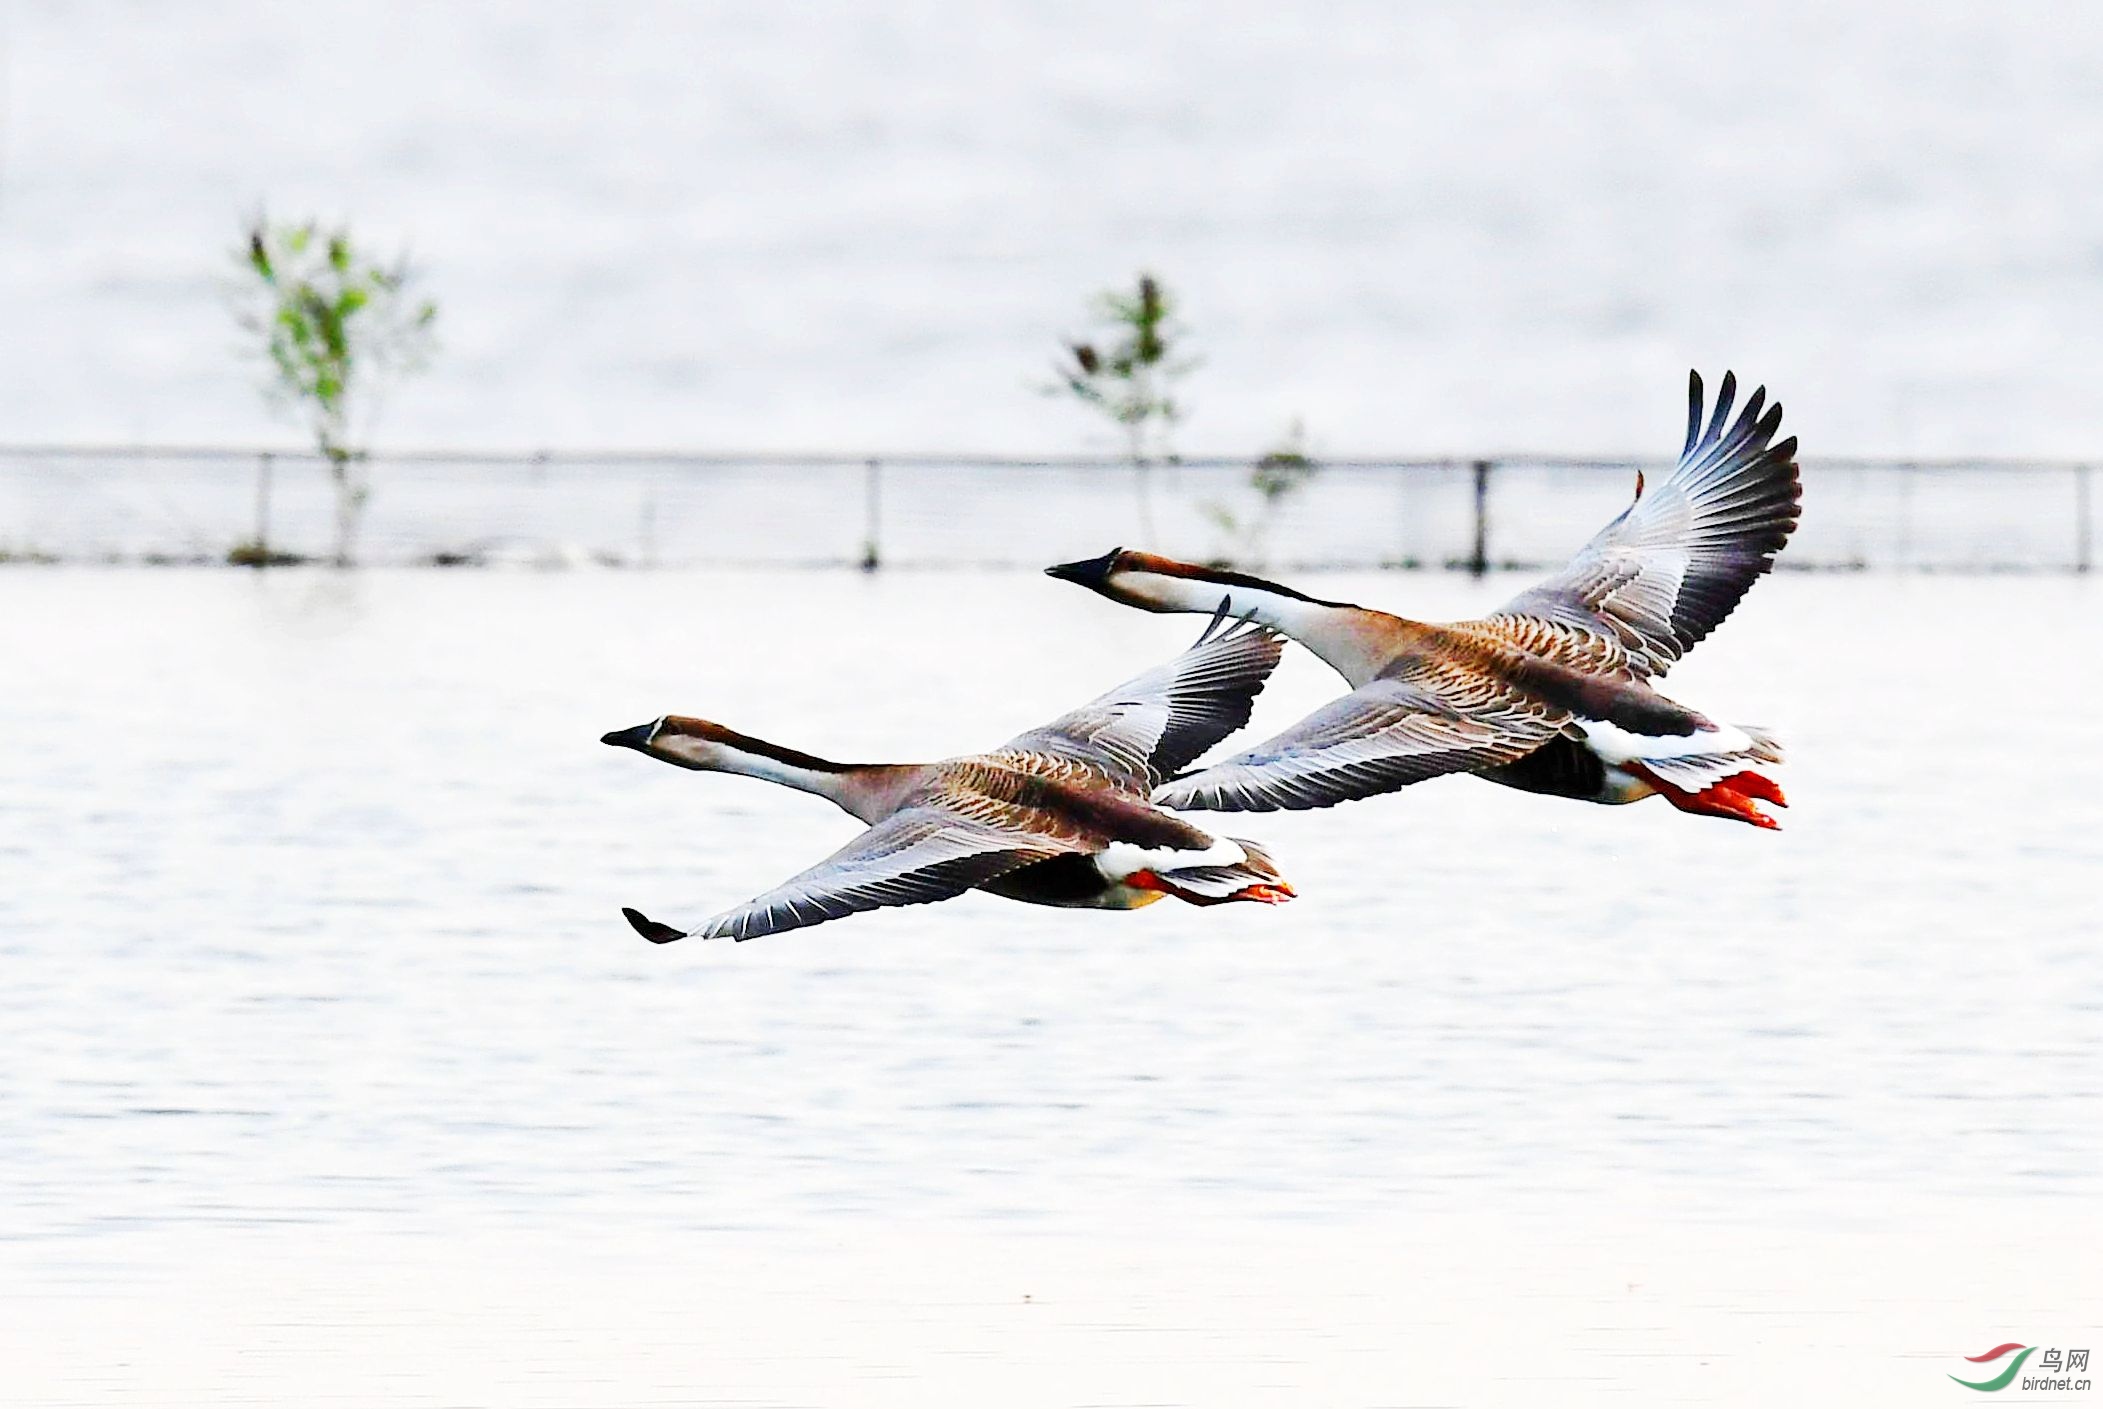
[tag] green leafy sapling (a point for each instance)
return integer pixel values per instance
(1129, 375)
(336, 325)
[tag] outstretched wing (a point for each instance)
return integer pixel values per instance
(1674, 565)
(913, 857)
(1380, 737)
(1146, 729)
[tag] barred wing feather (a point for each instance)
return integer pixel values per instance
(1677, 562)
(913, 857)
(1150, 727)
(1380, 737)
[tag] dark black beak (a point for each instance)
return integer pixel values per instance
(636, 738)
(1089, 572)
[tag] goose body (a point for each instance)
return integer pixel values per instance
(1058, 816)
(1553, 693)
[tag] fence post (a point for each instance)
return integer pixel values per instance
(1902, 532)
(2084, 523)
(263, 467)
(872, 515)
(1479, 560)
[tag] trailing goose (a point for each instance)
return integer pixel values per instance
(1552, 693)
(1057, 816)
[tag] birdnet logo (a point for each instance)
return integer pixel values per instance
(2058, 1369)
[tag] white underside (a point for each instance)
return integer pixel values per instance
(1616, 745)
(1121, 859)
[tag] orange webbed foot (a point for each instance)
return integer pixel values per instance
(1724, 799)
(1755, 785)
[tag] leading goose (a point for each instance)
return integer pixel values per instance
(1057, 816)
(1553, 692)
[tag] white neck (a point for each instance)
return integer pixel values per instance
(1354, 642)
(828, 784)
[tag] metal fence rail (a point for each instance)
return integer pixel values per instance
(148, 504)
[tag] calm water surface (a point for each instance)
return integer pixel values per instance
(323, 1020)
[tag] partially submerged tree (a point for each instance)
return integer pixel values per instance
(336, 325)
(1129, 376)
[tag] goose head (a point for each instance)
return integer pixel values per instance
(1135, 579)
(1153, 583)
(645, 739)
(708, 747)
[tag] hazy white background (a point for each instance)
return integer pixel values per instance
(330, 1070)
(1458, 227)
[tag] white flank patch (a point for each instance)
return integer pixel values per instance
(1617, 745)
(1120, 858)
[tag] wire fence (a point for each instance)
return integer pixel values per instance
(150, 505)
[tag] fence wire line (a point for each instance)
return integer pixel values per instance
(677, 508)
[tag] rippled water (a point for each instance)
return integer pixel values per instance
(321, 1012)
